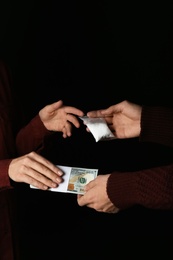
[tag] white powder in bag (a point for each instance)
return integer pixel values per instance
(99, 128)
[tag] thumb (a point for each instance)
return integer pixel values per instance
(90, 185)
(111, 110)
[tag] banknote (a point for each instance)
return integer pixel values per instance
(74, 179)
(78, 178)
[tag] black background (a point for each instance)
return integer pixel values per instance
(90, 54)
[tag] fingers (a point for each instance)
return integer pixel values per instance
(108, 112)
(109, 120)
(96, 113)
(38, 180)
(56, 105)
(67, 109)
(82, 200)
(73, 110)
(35, 170)
(90, 185)
(86, 199)
(49, 109)
(74, 120)
(67, 130)
(46, 166)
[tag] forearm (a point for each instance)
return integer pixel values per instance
(151, 188)
(31, 136)
(157, 125)
(4, 177)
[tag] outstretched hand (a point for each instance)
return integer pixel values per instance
(60, 118)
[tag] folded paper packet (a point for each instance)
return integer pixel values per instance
(99, 128)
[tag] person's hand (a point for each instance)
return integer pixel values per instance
(96, 196)
(35, 170)
(60, 118)
(123, 119)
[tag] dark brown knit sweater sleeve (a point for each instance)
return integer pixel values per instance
(151, 188)
(27, 142)
(4, 177)
(157, 125)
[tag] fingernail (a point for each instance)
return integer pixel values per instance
(54, 185)
(60, 173)
(58, 180)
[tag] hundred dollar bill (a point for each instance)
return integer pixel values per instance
(74, 179)
(79, 177)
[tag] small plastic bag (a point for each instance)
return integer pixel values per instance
(99, 128)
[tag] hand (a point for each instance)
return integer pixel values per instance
(123, 119)
(96, 196)
(57, 117)
(35, 170)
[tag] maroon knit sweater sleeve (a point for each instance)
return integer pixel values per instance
(151, 188)
(7, 123)
(31, 136)
(157, 125)
(5, 180)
